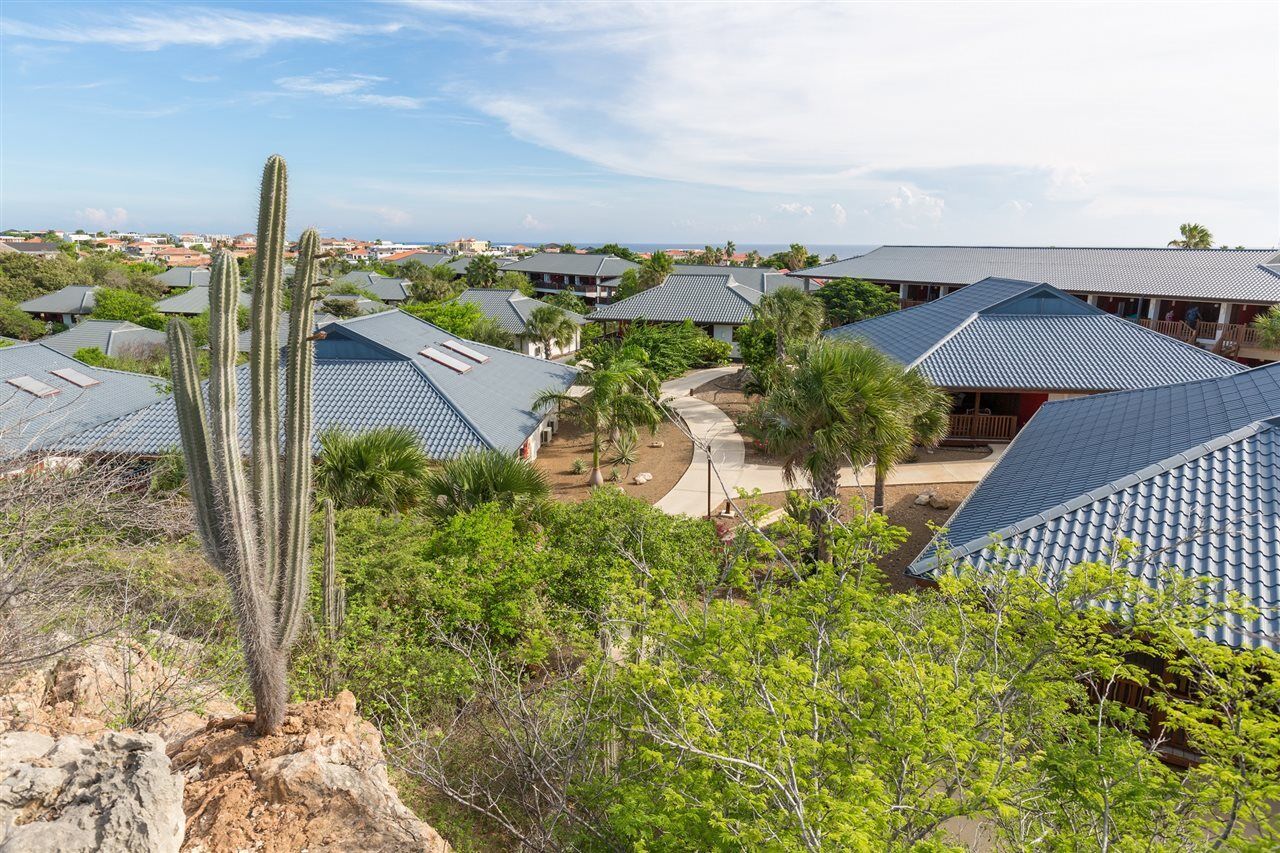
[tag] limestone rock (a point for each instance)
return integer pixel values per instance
(924, 498)
(657, 444)
(72, 795)
(319, 784)
(641, 479)
(939, 502)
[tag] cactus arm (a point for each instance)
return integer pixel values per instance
(195, 440)
(290, 586)
(264, 361)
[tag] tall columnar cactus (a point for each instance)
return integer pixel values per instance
(255, 526)
(334, 594)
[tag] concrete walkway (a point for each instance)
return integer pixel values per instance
(713, 429)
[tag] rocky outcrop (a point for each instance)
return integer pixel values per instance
(318, 784)
(111, 684)
(71, 795)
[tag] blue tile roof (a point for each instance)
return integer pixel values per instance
(510, 308)
(704, 299)
(1237, 275)
(194, 301)
(385, 288)
(1005, 334)
(368, 373)
(1190, 471)
(185, 277)
(112, 337)
(72, 299)
(30, 423)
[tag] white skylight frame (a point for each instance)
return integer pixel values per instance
(456, 365)
(463, 349)
(32, 386)
(76, 377)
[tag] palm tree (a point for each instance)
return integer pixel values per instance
(1194, 236)
(619, 394)
(840, 405)
(791, 314)
(928, 414)
(482, 271)
(1268, 326)
(730, 249)
(480, 477)
(549, 325)
(654, 270)
(383, 468)
(753, 258)
(797, 257)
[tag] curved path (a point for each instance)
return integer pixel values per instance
(715, 431)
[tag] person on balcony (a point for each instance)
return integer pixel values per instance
(1192, 317)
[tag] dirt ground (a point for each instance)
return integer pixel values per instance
(725, 394)
(902, 511)
(667, 464)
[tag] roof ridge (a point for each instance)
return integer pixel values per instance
(448, 401)
(961, 326)
(1096, 494)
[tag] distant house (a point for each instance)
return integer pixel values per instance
(359, 304)
(194, 301)
(388, 290)
(178, 256)
(51, 396)
(512, 310)
(595, 278)
(1226, 287)
(184, 277)
(65, 306)
(1188, 471)
(427, 259)
(1003, 348)
(112, 337)
(716, 303)
(467, 246)
(764, 279)
(31, 248)
(392, 369)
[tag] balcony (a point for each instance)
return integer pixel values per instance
(982, 427)
(1232, 340)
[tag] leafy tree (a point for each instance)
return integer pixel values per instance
(849, 300)
(753, 259)
(550, 326)
(791, 314)
(430, 284)
(617, 251)
(340, 308)
(113, 304)
(512, 280)
(488, 330)
(668, 349)
(620, 394)
(570, 301)
(628, 284)
(24, 277)
(1268, 326)
(481, 477)
(382, 468)
(16, 323)
(482, 271)
(458, 318)
(654, 270)
(1194, 236)
(797, 257)
(568, 249)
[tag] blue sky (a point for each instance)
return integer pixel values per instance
(1080, 124)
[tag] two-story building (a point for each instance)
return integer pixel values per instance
(595, 278)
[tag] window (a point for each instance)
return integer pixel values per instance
(445, 359)
(462, 349)
(75, 377)
(34, 387)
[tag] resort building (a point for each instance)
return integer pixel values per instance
(115, 338)
(184, 277)
(763, 279)
(392, 369)
(389, 290)
(595, 278)
(65, 306)
(1004, 348)
(512, 310)
(1190, 472)
(193, 302)
(1204, 295)
(717, 304)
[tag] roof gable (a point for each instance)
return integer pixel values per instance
(703, 299)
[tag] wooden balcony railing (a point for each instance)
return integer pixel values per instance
(1172, 328)
(908, 303)
(988, 427)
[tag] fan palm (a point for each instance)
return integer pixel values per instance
(791, 314)
(480, 477)
(928, 416)
(383, 468)
(616, 394)
(548, 325)
(481, 271)
(1194, 236)
(841, 403)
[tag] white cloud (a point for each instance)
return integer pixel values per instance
(200, 78)
(911, 205)
(192, 26)
(384, 213)
(531, 222)
(838, 214)
(101, 219)
(1016, 206)
(795, 208)
(351, 89)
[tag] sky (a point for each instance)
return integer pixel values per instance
(691, 122)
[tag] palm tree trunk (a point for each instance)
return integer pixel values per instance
(826, 486)
(597, 478)
(780, 345)
(877, 495)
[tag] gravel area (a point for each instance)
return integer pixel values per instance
(667, 464)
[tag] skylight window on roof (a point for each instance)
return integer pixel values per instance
(462, 349)
(75, 377)
(445, 359)
(34, 387)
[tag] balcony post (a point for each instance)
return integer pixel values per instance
(1224, 311)
(1153, 313)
